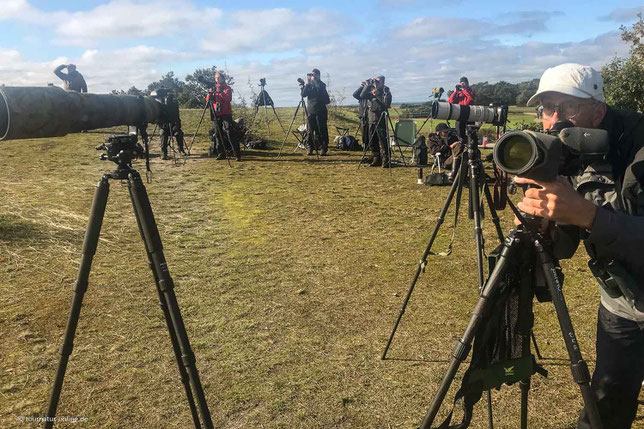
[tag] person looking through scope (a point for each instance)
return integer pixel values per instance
(73, 80)
(170, 129)
(219, 99)
(316, 100)
(362, 114)
(606, 202)
(378, 99)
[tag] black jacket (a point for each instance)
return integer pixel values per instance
(316, 97)
(362, 107)
(616, 186)
(377, 102)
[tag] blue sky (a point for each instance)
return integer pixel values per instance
(416, 44)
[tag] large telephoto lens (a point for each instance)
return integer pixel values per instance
(457, 112)
(517, 152)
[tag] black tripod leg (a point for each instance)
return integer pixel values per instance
(423, 259)
(289, 129)
(475, 207)
(89, 249)
(536, 347)
(524, 385)
(168, 321)
(150, 233)
(462, 348)
(278, 119)
(578, 366)
(493, 214)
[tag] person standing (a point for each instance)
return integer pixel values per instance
(317, 98)
(362, 113)
(73, 80)
(378, 99)
(219, 99)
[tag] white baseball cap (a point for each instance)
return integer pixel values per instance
(571, 79)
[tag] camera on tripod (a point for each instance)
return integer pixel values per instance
(262, 82)
(121, 148)
(543, 157)
(495, 115)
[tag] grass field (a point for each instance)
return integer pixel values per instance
(289, 273)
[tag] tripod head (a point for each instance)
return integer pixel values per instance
(122, 149)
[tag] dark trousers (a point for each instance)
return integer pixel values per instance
(378, 135)
(168, 130)
(223, 140)
(319, 132)
(364, 130)
(619, 371)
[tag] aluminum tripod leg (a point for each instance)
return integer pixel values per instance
(168, 321)
(152, 238)
(89, 250)
(423, 260)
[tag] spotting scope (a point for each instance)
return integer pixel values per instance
(543, 157)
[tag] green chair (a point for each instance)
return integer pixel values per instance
(402, 142)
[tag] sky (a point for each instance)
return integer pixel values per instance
(416, 44)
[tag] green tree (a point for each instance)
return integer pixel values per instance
(167, 81)
(135, 91)
(624, 78)
(193, 94)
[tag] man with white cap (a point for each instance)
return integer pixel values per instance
(606, 202)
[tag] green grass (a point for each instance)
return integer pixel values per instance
(289, 272)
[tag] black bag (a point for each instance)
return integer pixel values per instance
(501, 352)
(437, 179)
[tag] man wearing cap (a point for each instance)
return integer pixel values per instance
(72, 80)
(444, 143)
(606, 202)
(316, 100)
(378, 99)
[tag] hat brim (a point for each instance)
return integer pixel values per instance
(561, 89)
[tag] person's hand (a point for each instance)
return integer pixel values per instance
(557, 201)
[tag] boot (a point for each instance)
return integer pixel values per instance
(377, 161)
(165, 156)
(386, 163)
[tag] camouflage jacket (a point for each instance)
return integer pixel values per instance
(616, 186)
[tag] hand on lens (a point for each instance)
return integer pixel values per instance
(557, 201)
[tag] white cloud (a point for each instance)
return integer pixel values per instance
(623, 14)
(273, 30)
(126, 19)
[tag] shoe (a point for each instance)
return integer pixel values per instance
(165, 157)
(238, 158)
(324, 152)
(377, 162)
(386, 163)
(220, 156)
(309, 152)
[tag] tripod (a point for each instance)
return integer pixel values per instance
(122, 150)
(302, 104)
(384, 116)
(471, 162)
(263, 99)
(517, 239)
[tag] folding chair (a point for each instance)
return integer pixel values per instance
(403, 140)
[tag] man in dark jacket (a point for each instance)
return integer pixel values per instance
(444, 143)
(378, 99)
(316, 100)
(73, 80)
(606, 202)
(219, 100)
(362, 113)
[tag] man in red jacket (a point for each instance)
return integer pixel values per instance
(219, 99)
(463, 95)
